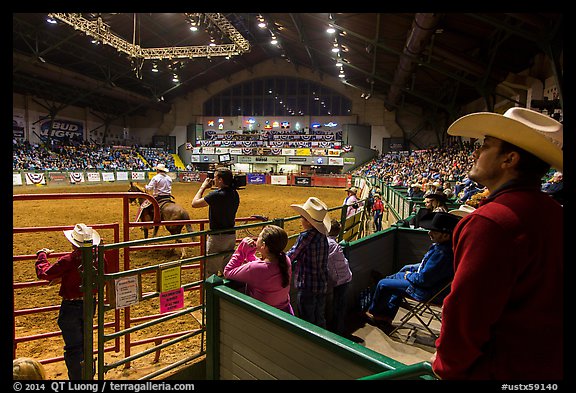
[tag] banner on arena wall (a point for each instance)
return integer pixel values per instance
(189, 177)
(35, 178)
(349, 160)
(137, 175)
(221, 150)
(107, 176)
(194, 158)
(334, 152)
(76, 177)
(18, 127)
(256, 178)
(16, 179)
(62, 129)
(57, 177)
(303, 181)
(335, 161)
(288, 152)
(237, 151)
(121, 176)
(208, 150)
(279, 180)
(302, 152)
(93, 176)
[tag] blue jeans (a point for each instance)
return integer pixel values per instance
(388, 295)
(311, 307)
(378, 220)
(71, 323)
(339, 307)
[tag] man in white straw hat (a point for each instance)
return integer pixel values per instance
(66, 270)
(503, 318)
(309, 256)
(160, 184)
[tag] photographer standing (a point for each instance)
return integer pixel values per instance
(223, 204)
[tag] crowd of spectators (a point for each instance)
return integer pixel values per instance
(86, 155)
(441, 170)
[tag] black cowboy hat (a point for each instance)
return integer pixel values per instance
(441, 197)
(439, 221)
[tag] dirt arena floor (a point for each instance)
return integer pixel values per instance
(266, 200)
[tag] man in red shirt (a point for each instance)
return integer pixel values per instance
(503, 318)
(66, 271)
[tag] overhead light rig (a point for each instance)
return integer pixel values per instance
(101, 32)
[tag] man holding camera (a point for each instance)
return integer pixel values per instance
(222, 207)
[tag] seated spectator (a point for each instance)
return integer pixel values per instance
(555, 187)
(436, 202)
(267, 279)
(419, 280)
(415, 191)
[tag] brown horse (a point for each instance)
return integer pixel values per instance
(169, 211)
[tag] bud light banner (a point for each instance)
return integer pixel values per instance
(256, 178)
(62, 129)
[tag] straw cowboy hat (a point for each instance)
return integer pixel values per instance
(316, 213)
(462, 211)
(81, 235)
(532, 131)
(353, 190)
(161, 168)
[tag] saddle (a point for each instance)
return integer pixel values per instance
(162, 201)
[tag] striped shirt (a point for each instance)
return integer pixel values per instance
(309, 256)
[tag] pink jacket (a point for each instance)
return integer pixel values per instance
(263, 280)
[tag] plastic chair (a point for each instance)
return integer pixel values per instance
(424, 311)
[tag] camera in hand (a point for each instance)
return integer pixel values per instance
(210, 175)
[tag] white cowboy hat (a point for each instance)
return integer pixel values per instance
(82, 235)
(532, 131)
(353, 190)
(161, 167)
(316, 213)
(463, 210)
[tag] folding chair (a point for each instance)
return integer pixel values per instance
(424, 311)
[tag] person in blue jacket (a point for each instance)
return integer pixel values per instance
(420, 280)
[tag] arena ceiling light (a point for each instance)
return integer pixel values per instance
(101, 32)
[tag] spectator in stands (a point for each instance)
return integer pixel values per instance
(223, 205)
(436, 202)
(415, 191)
(508, 257)
(378, 211)
(27, 369)
(555, 187)
(420, 280)
(160, 184)
(309, 256)
(447, 190)
(351, 201)
(268, 278)
(66, 271)
(340, 276)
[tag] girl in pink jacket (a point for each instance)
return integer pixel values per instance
(268, 278)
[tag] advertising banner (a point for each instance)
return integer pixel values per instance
(279, 180)
(108, 176)
(16, 179)
(303, 181)
(256, 178)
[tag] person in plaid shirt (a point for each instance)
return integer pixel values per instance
(309, 257)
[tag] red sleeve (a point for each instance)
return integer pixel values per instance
(46, 271)
(484, 274)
